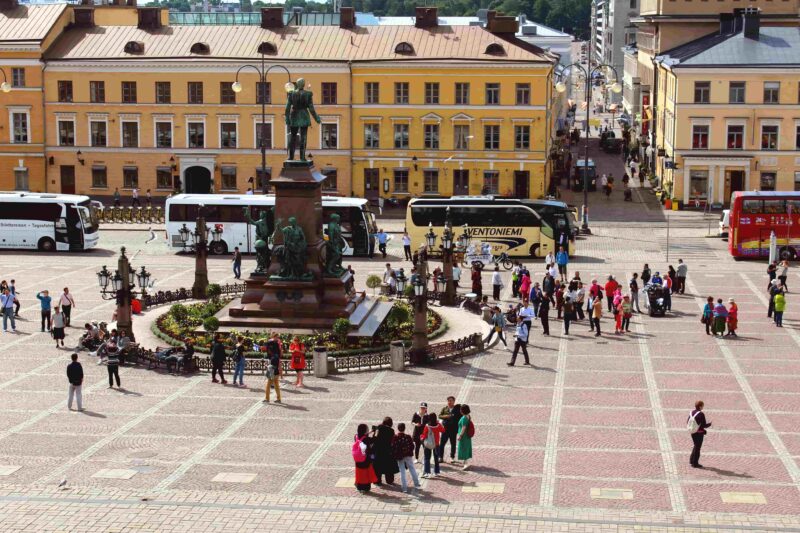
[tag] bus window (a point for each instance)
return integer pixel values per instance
(751, 207)
(774, 207)
(516, 216)
(794, 205)
(86, 218)
(230, 213)
(423, 215)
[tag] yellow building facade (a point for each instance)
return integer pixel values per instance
(145, 105)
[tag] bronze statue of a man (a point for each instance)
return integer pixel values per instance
(334, 248)
(293, 252)
(263, 233)
(298, 107)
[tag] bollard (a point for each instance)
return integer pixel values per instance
(320, 361)
(397, 356)
(487, 314)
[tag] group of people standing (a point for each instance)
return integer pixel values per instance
(777, 289)
(716, 317)
(55, 315)
(379, 453)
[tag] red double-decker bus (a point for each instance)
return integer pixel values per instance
(755, 215)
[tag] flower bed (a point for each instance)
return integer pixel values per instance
(181, 322)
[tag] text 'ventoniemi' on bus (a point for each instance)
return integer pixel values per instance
(47, 222)
(227, 213)
(517, 227)
(754, 216)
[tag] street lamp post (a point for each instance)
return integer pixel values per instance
(448, 295)
(5, 86)
(120, 286)
(262, 82)
(616, 88)
(419, 338)
(200, 245)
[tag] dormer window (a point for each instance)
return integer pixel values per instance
(495, 49)
(267, 48)
(134, 47)
(200, 49)
(404, 48)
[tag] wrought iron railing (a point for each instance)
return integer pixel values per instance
(168, 297)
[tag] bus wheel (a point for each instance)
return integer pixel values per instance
(788, 253)
(218, 248)
(534, 250)
(46, 244)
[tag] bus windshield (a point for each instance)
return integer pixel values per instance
(89, 223)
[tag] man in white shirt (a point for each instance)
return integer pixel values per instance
(553, 270)
(67, 303)
(387, 274)
(135, 197)
(456, 274)
(549, 259)
(526, 314)
(497, 283)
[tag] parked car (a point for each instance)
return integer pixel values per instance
(724, 223)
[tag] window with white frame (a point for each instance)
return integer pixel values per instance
(21, 179)
(20, 120)
(164, 178)
(228, 174)
(196, 134)
(522, 137)
(330, 136)
(769, 136)
(66, 132)
(99, 177)
(98, 133)
(461, 137)
(772, 90)
(431, 181)
(797, 137)
(130, 177)
(735, 136)
(401, 180)
(331, 181)
(700, 136)
(227, 134)
(431, 136)
(263, 132)
(401, 135)
(491, 182)
(372, 135)
(18, 77)
(698, 184)
(163, 134)
(491, 137)
(130, 133)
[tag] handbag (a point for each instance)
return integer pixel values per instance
(703, 319)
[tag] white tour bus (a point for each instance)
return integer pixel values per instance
(47, 222)
(226, 212)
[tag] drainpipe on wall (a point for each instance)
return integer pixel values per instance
(44, 133)
(352, 127)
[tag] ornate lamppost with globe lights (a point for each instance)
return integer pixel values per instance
(615, 87)
(199, 243)
(419, 338)
(120, 286)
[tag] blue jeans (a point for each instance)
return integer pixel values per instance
(779, 318)
(427, 463)
(239, 371)
(237, 270)
(402, 464)
(8, 312)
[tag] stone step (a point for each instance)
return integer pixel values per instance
(362, 311)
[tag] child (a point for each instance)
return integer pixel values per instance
(298, 363)
(780, 307)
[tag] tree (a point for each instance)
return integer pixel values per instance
(540, 10)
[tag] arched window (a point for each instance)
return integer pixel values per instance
(134, 47)
(200, 48)
(404, 48)
(267, 48)
(495, 49)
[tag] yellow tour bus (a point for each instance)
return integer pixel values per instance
(520, 228)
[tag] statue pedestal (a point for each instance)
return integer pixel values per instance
(270, 301)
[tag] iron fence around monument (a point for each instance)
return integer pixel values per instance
(177, 295)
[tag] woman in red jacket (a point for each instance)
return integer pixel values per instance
(298, 362)
(430, 442)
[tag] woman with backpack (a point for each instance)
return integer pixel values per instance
(431, 434)
(385, 464)
(298, 362)
(362, 455)
(466, 430)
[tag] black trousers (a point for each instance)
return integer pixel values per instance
(579, 310)
(709, 324)
(46, 318)
(451, 436)
(566, 325)
(16, 307)
(517, 345)
(67, 309)
(499, 334)
(545, 320)
(113, 372)
(626, 323)
(610, 300)
(697, 439)
(407, 250)
(417, 445)
(215, 369)
(783, 281)
(681, 284)
(496, 291)
(382, 248)
(596, 325)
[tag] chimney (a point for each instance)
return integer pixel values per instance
(271, 17)
(84, 17)
(752, 23)
(347, 18)
(149, 18)
(426, 17)
(501, 24)
(8, 5)
(726, 24)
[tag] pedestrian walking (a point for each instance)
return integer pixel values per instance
(570, 308)
(449, 415)
(274, 371)
(772, 273)
(385, 465)
(13, 288)
(562, 260)
(783, 274)
(298, 362)
(780, 307)
(431, 437)
(217, 360)
(403, 452)
(549, 259)
(611, 288)
(520, 342)
(45, 302)
(720, 314)
(544, 315)
(67, 302)
(774, 288)
(112, 364)
(645, 275)
(697, 425)
(362, 455)
(117, 197)
(707, 317)
(383, 238)
(515, 280)
(239, 361)
(75, 379)
(237, 263)
(535, 298)
(477, 286)
(680, 277)
(418, 421)
(406, 250)
(456, 275)
(626, 310)
(497, 283)
(466, 430)
(135, 197)
(498, 326)
(597, 314)
(633, 285)
(59, 323)
(524, 285)
(579, 300)
(7, 306)
(666, 284)
(148, 198)
(733, 318)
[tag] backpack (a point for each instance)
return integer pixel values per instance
(471, 429)
(691, 425)
(359, 450)
(430, 440)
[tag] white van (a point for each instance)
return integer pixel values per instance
(724, 223)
